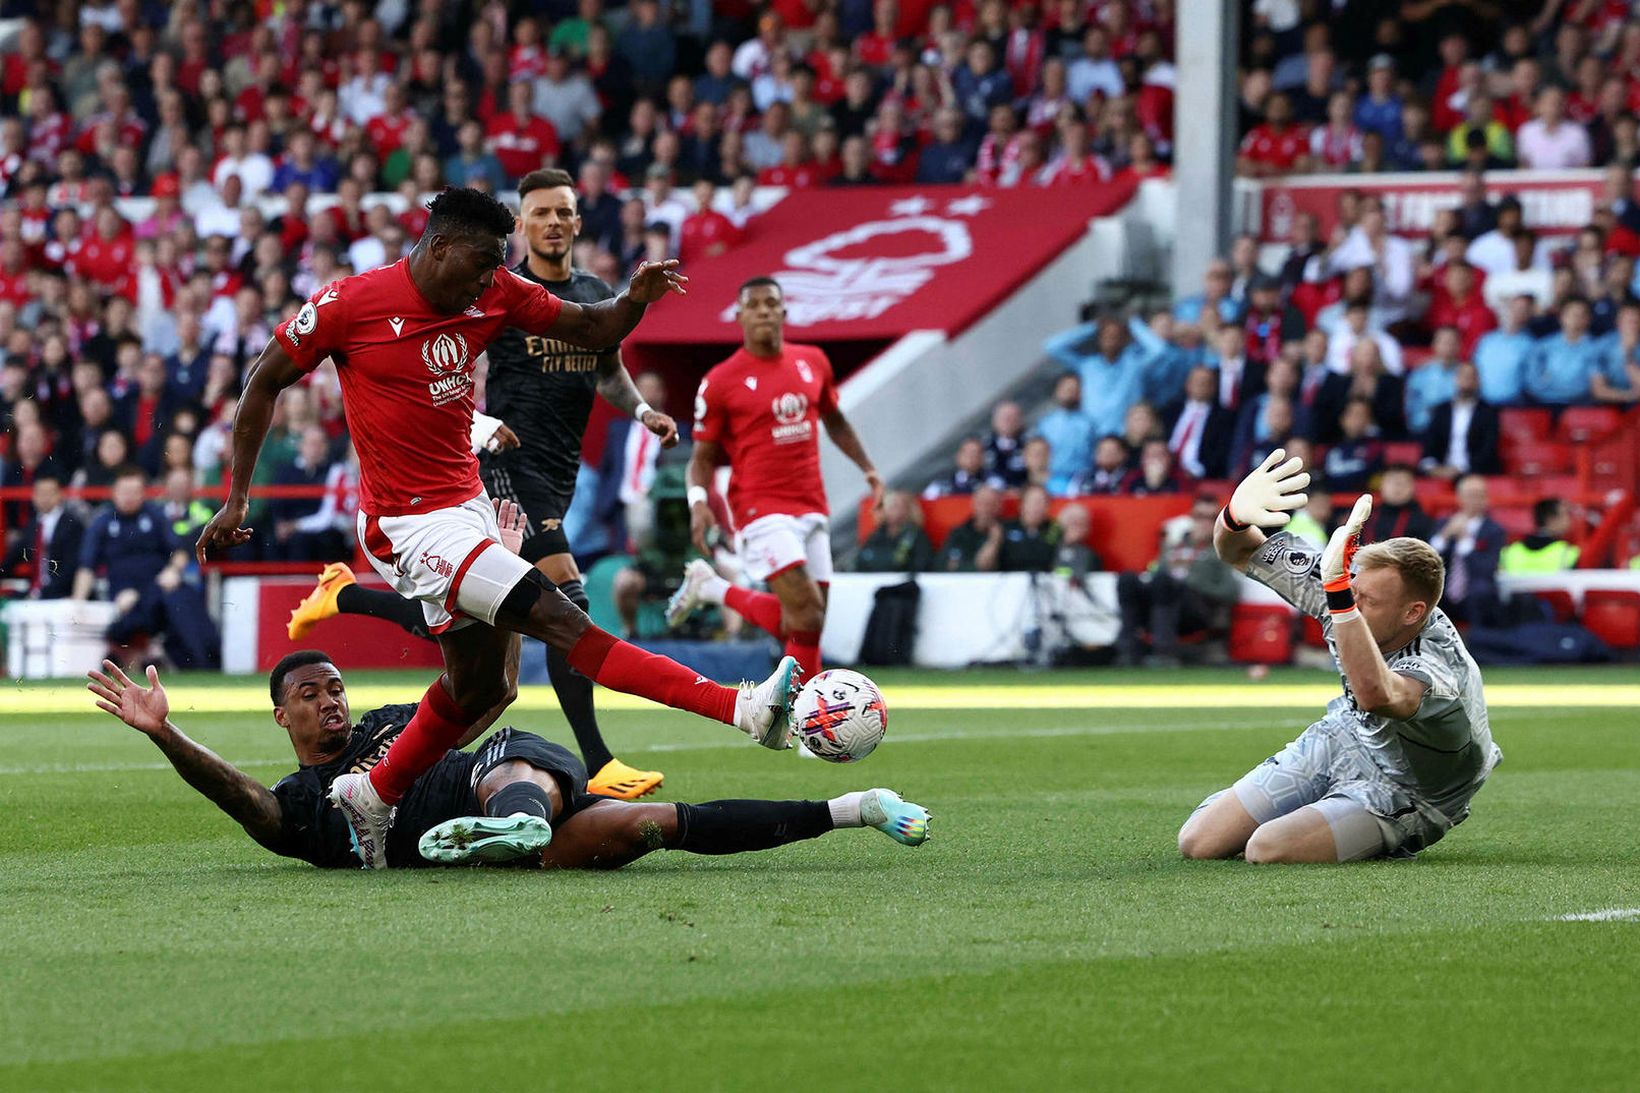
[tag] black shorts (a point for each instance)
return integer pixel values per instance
(510, 744)
(542, 500)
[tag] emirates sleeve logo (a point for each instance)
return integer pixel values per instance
(444, 353)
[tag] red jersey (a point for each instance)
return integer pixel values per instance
(407, 377)
(765, 412)
(522, 148)
(1279, 150)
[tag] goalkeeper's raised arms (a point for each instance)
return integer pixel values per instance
(1268, 496)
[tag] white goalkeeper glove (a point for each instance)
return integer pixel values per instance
(1336, 559)
(1269, 495)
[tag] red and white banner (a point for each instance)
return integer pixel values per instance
(877, 262)
(1553, 202)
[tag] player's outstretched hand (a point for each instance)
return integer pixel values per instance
(875, 481)
(224, 531)
(513, 522)
(1274, 490)
(143, 708)
(1340, 552)
(662, 426)
(701, 522)
(503, 440)
(652, 280)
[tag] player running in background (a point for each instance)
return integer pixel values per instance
(405, 338)
(1393, 764)
(545, 388)
(757, 412)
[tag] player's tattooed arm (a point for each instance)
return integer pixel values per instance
(605, 323)
(616, 386)
(148, 710)
(272, 372)
(848, 442)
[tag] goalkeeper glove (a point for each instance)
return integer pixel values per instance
(1268, 495)
(1336, 559)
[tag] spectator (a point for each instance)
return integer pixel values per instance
(1434, 381)
(1493, 251)
(1480, 136)
(1215, 296)
(185, 514)
(1396, 510)
(1353, 461)
(1476, 214)
(1113, 360)
(1500, 355)
(297, 536)
(1367, 379)
(898, 543)
(1357, 327)
(978, 84)
(1470, 543)
(1270, 324)
(112, 452)
(147, 573)
(1278, 146)
(1068, 432)
(1391, 259)
(473, 163)
(1266, 425)
(1239, 379)
(48, 545)
(1378, 110)
(975, 544)
(1546, 549)
(521, 141)
(970, 473)
(1110, 467)
(1038, 458)
(1187, 589)
(1619, 380)
(1458, 304)
(1155, 474)
(1549, 141)
(1094, 72)
(706, 233)
(1463, 433)
(1201, 433)
(1005, 445)
(648, 46)
(30, 459)
(1561, 368)
(1074, 558)
(1314, 522)
(949, 157)
(1028, 543)
(1337, 144)
(565, 98)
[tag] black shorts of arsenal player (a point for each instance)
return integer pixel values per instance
(514, 782)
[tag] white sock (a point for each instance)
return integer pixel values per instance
(845, 810)
(713, 588)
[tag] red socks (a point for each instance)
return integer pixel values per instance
(762, 609)
(439, 724)
(805, 646)
(604, 658)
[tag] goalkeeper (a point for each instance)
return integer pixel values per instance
(1393, 763)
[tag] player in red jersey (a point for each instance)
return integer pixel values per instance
(405, 338)
(758, 412)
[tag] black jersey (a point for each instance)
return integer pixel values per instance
(313, 829)
(543, 389)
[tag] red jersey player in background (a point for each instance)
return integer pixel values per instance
(405, 338)
(758, 412)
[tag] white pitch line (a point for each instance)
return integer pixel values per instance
(1610, 914)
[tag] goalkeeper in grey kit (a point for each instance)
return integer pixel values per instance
(1394, 762)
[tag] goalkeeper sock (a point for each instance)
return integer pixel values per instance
(731, 827)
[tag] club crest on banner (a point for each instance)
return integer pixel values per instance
(820, 286)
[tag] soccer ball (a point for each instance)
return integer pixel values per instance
(840, 716)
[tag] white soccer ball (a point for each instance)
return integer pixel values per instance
(840, 716)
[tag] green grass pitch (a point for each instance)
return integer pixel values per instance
(1047, 937)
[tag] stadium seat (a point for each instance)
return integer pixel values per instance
(1525, 424)
(1538, 457)
(1613, 616)
(1559, 602)
(1261, 634)
(1403, 451)
(1582, 424)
